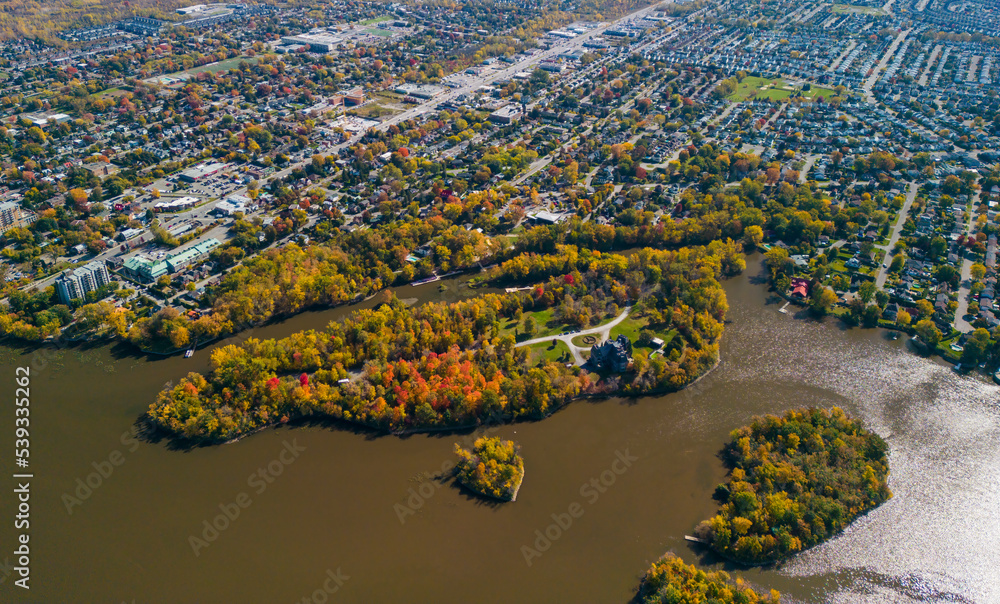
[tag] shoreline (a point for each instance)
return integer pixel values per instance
(433, 429)
(513, 497)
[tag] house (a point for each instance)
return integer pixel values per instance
(800, 288)
(613, 355)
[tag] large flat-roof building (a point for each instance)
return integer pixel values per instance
(144, 269)
(174, 205)
(196, 173)
(12, 215)
(316, 41)
(185, 257)
(506, 114)
(76, 283)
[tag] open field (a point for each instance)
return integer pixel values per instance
(775, 89)
(841, 9)
(178, 78)
(381, 19)
(372, 111)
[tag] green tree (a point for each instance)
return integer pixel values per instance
(530, 325)
(753, 235)
(928, 333)
(867, 291)
(822, 300)
(975, 348)
(778, 261)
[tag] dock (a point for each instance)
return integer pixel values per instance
(782, 309)
(697, 540)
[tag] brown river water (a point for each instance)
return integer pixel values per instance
(320, 513)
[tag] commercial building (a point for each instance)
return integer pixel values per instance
(100, 168)
(316, 41)
(129, 234)
(76, 283)
(506, 114)
(196, 173)
(194, 253)
(144, 269)
(235, 203)
(174, 205)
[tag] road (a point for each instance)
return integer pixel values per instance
(804, 172)
(870, 82)
(965, 281)
(883, 270)
(604, 331)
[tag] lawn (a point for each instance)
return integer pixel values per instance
(372, 111)
(546, 326)
(221, 66)
(381, 19)
(558, 353)
(630, 327)
(775, 89)
(112, 92)
(379, 32)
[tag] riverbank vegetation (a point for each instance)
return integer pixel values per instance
(401, 368)
(492, 468)
(671, 581)
(795, 481)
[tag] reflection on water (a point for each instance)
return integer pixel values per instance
(336, 507)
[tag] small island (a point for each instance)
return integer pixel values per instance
(795, 481)
(671, 580)
(493, 468)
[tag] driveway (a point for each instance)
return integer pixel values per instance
(602, 331)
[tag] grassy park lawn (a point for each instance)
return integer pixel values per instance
(775, 89)
(381, 19)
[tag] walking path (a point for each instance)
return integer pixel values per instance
(603, 331)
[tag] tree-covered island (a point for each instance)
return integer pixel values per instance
(448, 365)
(671, 581)
(795, 481)
(493, 468)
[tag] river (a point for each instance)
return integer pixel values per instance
(348, 516)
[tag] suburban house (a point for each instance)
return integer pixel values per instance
(800, 288)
